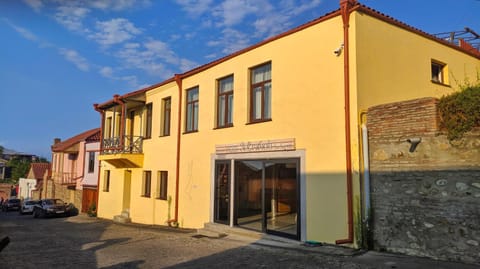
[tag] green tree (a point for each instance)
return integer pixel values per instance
(19, 168)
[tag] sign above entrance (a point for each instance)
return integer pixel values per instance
(257, 146)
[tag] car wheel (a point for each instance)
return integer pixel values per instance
(35, 213)
(42, 214)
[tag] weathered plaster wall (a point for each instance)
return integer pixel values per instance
(426, 202)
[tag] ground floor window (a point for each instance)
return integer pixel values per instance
(106, 181)
(265, 195)
(147, 183)
(162, 185)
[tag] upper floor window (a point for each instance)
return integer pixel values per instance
(166, 115)
(148, 121)
(260, 93)
(225, 102)
(439, 72)
(91, 162)
(192, 110)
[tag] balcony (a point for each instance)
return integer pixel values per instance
(65, 178)
(128, 155)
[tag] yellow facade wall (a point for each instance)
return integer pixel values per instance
(387, 64)
(110, 202)
(307, 104)
(394, 64)
(159, 154)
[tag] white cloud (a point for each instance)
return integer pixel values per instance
(232, 40)
(116, 4)
(71, 17)
(152, 56)
(75, 58)
(305, 6)
(114, 31)
(195, 7)
(106, 71)
(34, 4)
(22, 31)
(234, 11)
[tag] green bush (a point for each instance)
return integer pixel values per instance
(92, 210)
(460, 111)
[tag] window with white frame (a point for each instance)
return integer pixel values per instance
(260, 93)
(225, 102)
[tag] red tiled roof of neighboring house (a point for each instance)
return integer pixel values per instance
(357, 7)
(39, 169)
(89, 136)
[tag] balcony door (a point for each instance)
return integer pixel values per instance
(131, 130)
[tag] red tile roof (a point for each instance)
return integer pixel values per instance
(88, 136)
(39, 169)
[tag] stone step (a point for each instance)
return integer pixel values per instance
(220, 230)
(121, 219)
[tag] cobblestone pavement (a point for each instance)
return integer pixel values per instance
(84, 242)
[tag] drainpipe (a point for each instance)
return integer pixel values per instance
(178, 80)
(366, 177)
(345, 8)
(102, 113)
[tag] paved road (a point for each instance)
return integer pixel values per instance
(84, 242)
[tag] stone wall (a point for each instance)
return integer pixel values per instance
(426, 202)
(69, 195)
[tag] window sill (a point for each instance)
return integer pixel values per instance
(223, 127)
(440, 83)
(147, 138)
(190, 132)
(164, 135)
(258, 121)
(158, 198)
(145, 196)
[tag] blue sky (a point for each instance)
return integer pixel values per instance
(59, 57)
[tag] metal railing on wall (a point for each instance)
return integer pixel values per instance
(133, 144)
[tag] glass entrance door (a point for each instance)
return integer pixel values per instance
(267, 196)
(281, 198)
(249, 195)
(222, 192)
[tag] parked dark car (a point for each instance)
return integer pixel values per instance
(50, 207)
(11, 204)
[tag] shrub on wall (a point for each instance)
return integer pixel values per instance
(460, 111)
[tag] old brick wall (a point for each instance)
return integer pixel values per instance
(426, 202)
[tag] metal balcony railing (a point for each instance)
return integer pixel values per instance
(133, 144)
(65, 177)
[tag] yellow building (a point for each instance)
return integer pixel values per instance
(269, 138)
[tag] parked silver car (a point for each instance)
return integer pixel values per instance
(27, 206)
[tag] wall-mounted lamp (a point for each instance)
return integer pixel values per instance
(339, 50)
(414, 141)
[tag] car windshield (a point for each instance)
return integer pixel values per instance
(14, 201)
(54, 202)
(30, 202)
